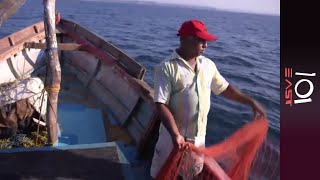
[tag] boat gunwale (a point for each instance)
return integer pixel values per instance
(88, 38)
(13, 47)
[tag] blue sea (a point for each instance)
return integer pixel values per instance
(247, 52)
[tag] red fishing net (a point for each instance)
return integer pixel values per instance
(239, 157)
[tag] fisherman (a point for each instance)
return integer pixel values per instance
(182, 89)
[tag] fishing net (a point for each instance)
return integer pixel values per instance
(239, 157)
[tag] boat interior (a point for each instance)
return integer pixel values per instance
(106, 114)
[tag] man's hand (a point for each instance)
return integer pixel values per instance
(178, 141)
(258, 111)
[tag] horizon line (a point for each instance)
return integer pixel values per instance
(143, 2)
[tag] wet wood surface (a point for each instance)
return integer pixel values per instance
(94, 163)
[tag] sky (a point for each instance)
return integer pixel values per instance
(251, 6)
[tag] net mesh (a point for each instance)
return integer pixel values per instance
(243, 155)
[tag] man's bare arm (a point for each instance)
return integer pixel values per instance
(236, 95)
(170, 124)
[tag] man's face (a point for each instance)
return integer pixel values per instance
(196, 46)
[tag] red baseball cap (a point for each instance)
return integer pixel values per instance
(195, 28)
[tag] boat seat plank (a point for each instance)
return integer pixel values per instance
(91, 163)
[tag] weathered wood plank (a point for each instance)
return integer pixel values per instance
(4, 43)
(114, 105)
(143, 113)
(103, 94)
(82, 60)
(52, 85)
(116, 132)
(79, 163)
(135, 129)
(127, 63)
(149, 137)
(11, 51)
(118, 110)
(14, 41)
(61, 46)
(119, 87)
(21, 35)
(38, 27)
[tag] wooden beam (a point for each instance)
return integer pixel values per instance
(61, 46)
(54, 71)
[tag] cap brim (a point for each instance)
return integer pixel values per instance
(207, 36)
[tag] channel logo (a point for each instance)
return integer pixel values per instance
(300, 79)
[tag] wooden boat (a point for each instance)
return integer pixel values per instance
(106, 111)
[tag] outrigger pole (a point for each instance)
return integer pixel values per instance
(52, 84)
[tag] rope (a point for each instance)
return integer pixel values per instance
(43, 90)
(38, 125)
(52, 88)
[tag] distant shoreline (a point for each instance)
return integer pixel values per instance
(179, 6)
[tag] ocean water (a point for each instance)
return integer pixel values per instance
(247, 52)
